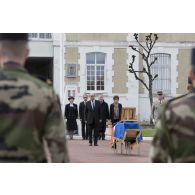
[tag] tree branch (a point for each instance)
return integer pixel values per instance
(150, 41)
(131, 70)
(136, 38)
(133, 48)
(147, 39)
(142, 54)
(155, 39)
(155, 59)
(156, 75)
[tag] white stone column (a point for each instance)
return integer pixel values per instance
(56, 66)
(58, 69)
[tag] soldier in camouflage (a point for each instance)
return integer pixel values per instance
(157, 106)
(31, 123)
(175, 137)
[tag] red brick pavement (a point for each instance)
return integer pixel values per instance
(81, 152)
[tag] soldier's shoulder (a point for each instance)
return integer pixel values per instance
(180, 100)
(37, 81)
(22, 76)
(42, 87)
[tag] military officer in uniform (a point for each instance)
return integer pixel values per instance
(32, 126)
(157, 106)
(175, 137)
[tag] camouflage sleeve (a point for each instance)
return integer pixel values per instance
(160, 152)
(55, 133)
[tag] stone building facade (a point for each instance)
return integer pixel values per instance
(98, 62)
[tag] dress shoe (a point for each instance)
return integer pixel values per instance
(95, 144)
(90, 144)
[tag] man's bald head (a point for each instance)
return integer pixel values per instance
(14, 50)
(92, 96)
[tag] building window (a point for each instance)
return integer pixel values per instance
(33, 35)
(162, 67)
(45, 35)
(71, 70)
(40, 36)
(95, 62)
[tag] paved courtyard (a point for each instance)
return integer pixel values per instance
(81, 152)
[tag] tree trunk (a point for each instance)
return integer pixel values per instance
(151, 103)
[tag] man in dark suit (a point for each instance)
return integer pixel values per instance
(82, 108)
(104, 117)
(115, 110)
(93, 119)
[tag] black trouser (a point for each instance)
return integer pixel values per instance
(102, 129)
(115, 121)
(93, 132)
(84, 130)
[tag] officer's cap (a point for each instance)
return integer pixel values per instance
(159, 93)
(14, 36)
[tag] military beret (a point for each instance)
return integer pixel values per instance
(193, 57)
(159, 93)
(70, 97)
(14, 36)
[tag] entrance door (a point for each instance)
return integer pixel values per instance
(41, 67)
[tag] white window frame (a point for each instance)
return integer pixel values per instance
(96, 65)
(166, 68)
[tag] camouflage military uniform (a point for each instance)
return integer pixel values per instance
(175, 137)
(156, 110)
(31, 123)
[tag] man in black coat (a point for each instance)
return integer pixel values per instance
(104, 117)
(93, 119)
(82, 108)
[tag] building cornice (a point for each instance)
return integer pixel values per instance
(178, 45)
(122, 44)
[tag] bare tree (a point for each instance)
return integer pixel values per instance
(145, 51)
